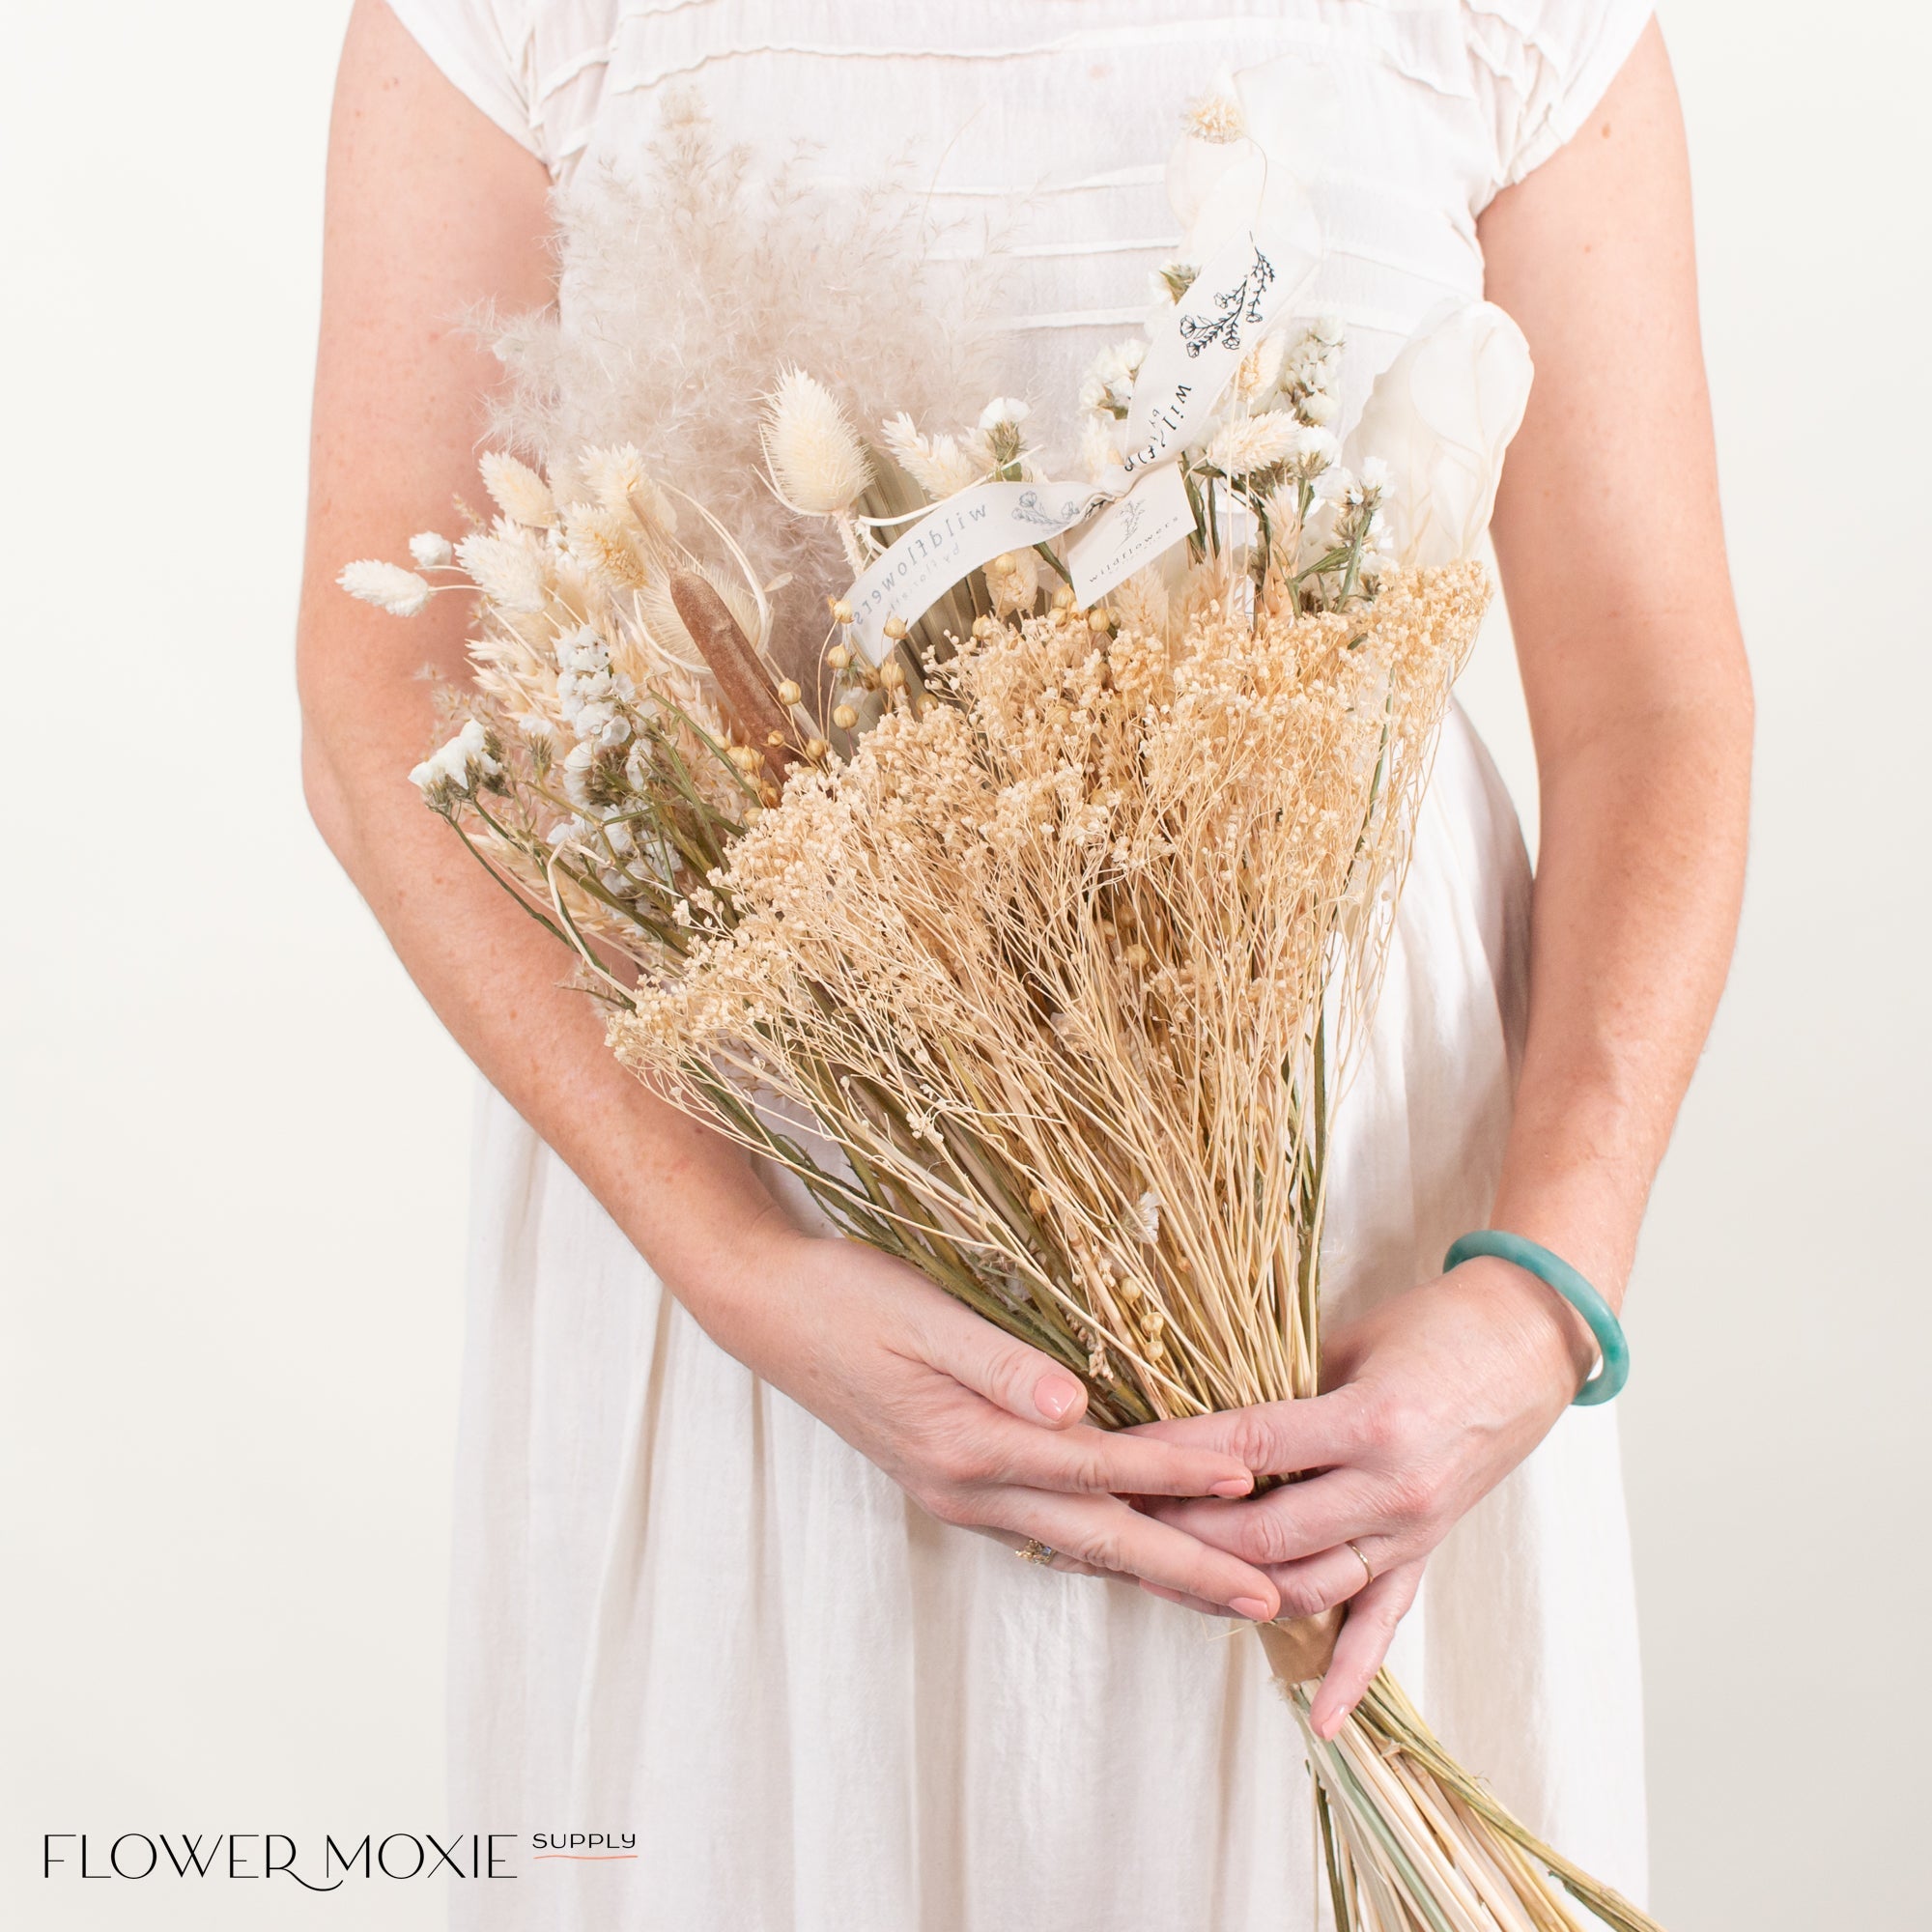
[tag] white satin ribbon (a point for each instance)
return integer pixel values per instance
(1242, 289)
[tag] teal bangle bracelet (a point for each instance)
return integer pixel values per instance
(1558, 1274)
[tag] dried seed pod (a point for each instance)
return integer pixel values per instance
(751, 700)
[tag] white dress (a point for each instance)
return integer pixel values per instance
(683, 1607)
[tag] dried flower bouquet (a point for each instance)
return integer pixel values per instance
(1035, 935)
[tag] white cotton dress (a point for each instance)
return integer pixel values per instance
(685, 1608)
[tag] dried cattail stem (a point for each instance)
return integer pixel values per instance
(750, 694)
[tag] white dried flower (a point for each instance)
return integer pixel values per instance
(1250, 443)
(387, 585)
(506, 570)
(430, 550)
(1109, 383)
(519, 491)
(459, 765)
(1214, 117)
(1316, 449)
(1002, 412)
(816, 462)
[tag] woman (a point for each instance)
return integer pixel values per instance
(712, 1583)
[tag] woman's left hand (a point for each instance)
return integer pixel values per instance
(1431, 1400)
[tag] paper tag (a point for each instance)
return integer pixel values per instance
(960, 535)
(1227, 309)
(1155, 515)
(1192, 359)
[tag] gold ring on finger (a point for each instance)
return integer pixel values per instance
(1034, 1550)
(1368, 1568)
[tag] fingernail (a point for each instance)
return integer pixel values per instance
(1233, 1486)
(1054, 1396)
(1254, 1608)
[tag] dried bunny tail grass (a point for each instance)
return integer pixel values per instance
(506, 568)
(714, 274)
(617, 479)
(818, 463)
(518, 491)
(940, 465)
(386, 585)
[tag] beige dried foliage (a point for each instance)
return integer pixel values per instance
(1003, 922)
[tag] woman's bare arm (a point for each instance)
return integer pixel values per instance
(431, 208)
(1611, 549)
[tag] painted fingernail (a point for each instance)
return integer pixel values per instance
(1054, 1396)
(1254, 1608)
(1233, 1486)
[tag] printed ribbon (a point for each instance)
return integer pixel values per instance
(1240, 290)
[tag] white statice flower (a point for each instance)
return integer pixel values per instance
(576, 779)
(1315, 448)
(459, 766)
(581, 650)
(432, 551)
(506, 569)
(387, 585)
(518, 491)
(999, 442)
(1251, 444)
(817, 462)
(1108, 387)
(939, 465)
(1372, 474)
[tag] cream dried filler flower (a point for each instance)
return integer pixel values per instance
(1049, 922)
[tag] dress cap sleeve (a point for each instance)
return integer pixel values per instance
(1550, 63)
(484, 49)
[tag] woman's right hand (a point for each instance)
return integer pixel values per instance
(979, 1428)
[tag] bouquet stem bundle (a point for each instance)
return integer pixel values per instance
(1040, 950)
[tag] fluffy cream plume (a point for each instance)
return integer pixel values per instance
(816, 460)
(607, 541)
(432, 550)
(713, 274)
(519, 491)
(1249, 443)
(619, 480)
(387, 585)
(506, 569)
(938, 464)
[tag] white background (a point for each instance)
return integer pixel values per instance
(236, 1138)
